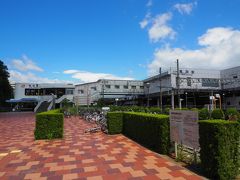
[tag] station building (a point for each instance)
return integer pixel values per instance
(120, 92)
(191, 88)
(196, 88)
(38, 97)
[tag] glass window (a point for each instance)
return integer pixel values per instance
(208, 82)
(31, 92)
(69, 91)
(134, 87)
(125, 87)
(80, 91)
(141, 87)
(108, 86)
(117, 86)
(94, 88)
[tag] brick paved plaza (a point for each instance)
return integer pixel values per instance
(78, 156)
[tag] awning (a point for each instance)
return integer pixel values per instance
(23, 100)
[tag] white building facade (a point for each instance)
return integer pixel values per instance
(107, 89)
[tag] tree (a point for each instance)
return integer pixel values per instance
(5, 87)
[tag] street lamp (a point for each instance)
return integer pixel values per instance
(116, 101)
(186, 98)
(180, 104)
(148, 86)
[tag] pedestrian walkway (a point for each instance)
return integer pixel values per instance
(79, 155)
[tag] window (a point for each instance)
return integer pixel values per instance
(192, 72)
(134, 87)
(125, 87)
(186, 71)
(69, 91)
(180, 71)
(108, 86)
(117, 86)
(94, 88)
(80, 91)
(209, 82)
(141, 87)
(31, 92)
(235, 77)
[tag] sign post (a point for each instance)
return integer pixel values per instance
(184, 129)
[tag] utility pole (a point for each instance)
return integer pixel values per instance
(160, 83)
(148, 86)
(103, 88)
(178, 84)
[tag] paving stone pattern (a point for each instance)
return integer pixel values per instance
(79, 155)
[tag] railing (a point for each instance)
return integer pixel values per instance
(69, 97)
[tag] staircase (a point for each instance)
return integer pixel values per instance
(43, 107)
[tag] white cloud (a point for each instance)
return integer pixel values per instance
(145, 21)
(85, 76)
(160, 28)
(149, 3)
(28, 77)
(218, 50)
(185, 8)
(25, 64)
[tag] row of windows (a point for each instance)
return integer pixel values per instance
(206, 82)
(81, 91)
(40, 92)
(124, 87)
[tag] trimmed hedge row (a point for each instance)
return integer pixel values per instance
(114, 122)
(49, 125)
(220, 143)
(150, 130)
(139, 109)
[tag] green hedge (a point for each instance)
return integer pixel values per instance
(217, 114)
(49, 125)
(115, 122)
(150, 130)
(219, 142)
(203, 114)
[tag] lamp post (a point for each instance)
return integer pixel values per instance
(116, 101)
(160, 83)
(186, 98)
(223, 101)
(148, 86)
(180, 105)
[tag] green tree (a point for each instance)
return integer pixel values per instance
(5, 87)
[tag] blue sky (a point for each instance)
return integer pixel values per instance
(83, 40)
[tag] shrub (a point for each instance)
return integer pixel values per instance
(49, 125)
(166, 111)
(217, 114)
(194, 109)
(182, 109)
(114, 122)
(232, 114)
(203, 114)
(154, 110)
(219, 143)
(150, 130)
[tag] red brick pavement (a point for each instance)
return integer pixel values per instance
(78, 156)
